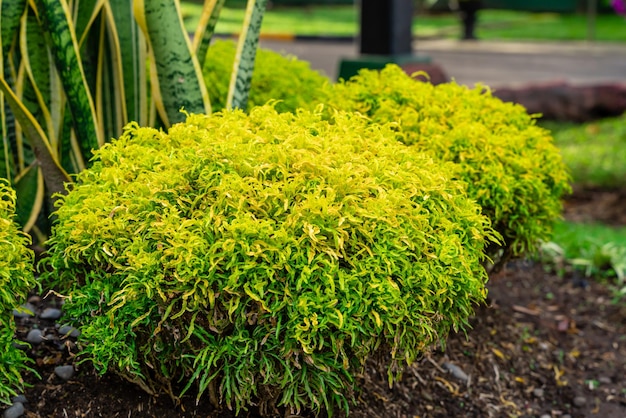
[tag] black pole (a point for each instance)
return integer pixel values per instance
(386, 27)
(385, 37)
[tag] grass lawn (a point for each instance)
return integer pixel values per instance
(595, 152)
(493, 24)
(596, 156)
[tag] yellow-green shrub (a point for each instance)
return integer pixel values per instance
(16, 280)
(275, 77)
(265, 255)
(511, 166)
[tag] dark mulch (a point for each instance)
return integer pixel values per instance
(543, 345)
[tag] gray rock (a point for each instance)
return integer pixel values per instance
(51, 313)
(64, 372)
(566, 416)
(605, 380)
(25, 311)
(546, 416)
(14, 411)
(35, 336)
(580, 401)
(67, 330)
(456, 371)
(20, 399)
(538, 393)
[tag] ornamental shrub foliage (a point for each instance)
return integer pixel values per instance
(286, 79)
(263, 258)
(16, 280)
(510, 164)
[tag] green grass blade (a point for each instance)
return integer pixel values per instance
(246, 53)
(206, 28)
(55, 17)
(54, 175)
(176, 76)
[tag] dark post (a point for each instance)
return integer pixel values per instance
(386, 27)
(386, 36)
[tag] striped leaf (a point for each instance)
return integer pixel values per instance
(206, 28)
(54, 175)
(128, 48)
(37, 65)
(246, 53)
(175, 73)
(85, 14)
(55, 17)
(10, 13)
(30, 191)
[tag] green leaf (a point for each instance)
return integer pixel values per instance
(129, 49)
(174, 69)
(29, 188)
(55, 17)
(10, 13)
(246, 53)
(206, 28)
(54, 175)
(86, 13)
(41, 74)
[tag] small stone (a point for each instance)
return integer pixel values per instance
(64, 372)
(580, 401)
(538, 393)
(546, 416)
(68, 331)
(51, 313)
(34, 299)
(456, 371)
(566, 416)
(14, 411)
(605, 380)
(20, 399)
(27, 310)
(35, 336)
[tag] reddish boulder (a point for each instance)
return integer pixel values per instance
(566, 102)
(436, 73)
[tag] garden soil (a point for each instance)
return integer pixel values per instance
(546, 344)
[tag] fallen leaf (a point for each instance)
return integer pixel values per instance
(498, 353)
(525, 310)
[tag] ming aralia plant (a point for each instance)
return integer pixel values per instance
(73, 73)
(262, 258)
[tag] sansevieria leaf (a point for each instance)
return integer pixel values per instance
(175, 73)
(246, 53)
(206, 28)
(55, 17)
(129, 51)
(55, 176)
(30, 191)
(10, 13)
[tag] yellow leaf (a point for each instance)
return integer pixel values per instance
(498, 353)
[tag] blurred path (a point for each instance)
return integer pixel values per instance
(490, 62)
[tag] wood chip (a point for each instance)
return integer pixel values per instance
(525, 310)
